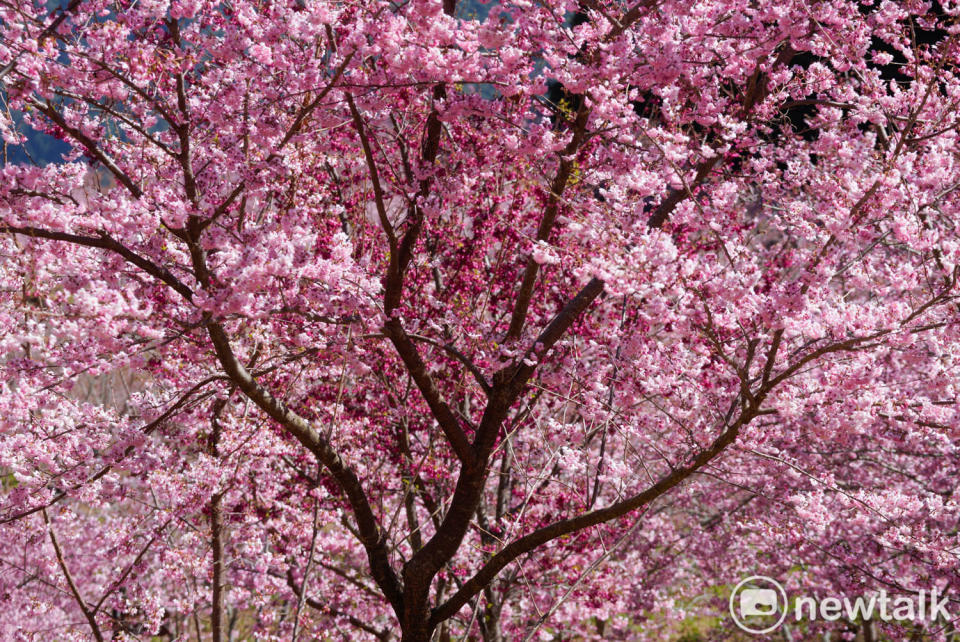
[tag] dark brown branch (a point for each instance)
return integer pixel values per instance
(88, 613)
(216, 531)
(413, 524)
(554, 331)
(90, 145)
(842, 346)
(418, 371)
(459, 356)
(328, 610)
(750, 409)
(301, 118)
(543, 535)
(428, 156)
(106, 242)
(306, 573)
(371, 536)
(557, 187)
(155, 104)
(374, 180)
(146, 430)
(368, 529)
(292, 131)
(121, 117)
(507, 386)
(676, 196)
(632, 15)
(449, 349)
(754, 92)
(399, 257)
(47, 32)
(126, 573)
(771, 356)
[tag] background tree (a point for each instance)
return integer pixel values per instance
(409, 349)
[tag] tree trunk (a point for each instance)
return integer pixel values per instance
(415, 624)
(418, 633)
(216, 527)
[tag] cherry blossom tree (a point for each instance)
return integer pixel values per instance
(435, 319)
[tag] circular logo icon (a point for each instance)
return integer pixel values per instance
(758, 604)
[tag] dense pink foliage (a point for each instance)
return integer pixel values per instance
(331, 324)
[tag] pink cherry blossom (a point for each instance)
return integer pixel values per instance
(451, 320)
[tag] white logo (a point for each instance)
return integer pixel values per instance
(759, 605)
(761, 599)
